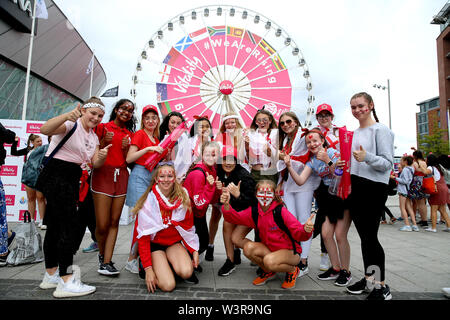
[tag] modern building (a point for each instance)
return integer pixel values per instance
(60, 58)
(428, 119)
(440, 115)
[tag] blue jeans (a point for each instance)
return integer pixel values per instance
(138, 183)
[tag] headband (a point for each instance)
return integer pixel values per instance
(93, 105)
(307, 131)
(230, 117)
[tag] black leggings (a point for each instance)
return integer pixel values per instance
(59, 182)
(366, 204)
(201, 228)
(384, 211)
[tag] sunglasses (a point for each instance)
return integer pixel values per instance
(288, 122)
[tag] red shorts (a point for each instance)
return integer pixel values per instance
(110, 181)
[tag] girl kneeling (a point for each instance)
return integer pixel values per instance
(278, 251)
(166, 233)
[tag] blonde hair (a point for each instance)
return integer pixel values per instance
(177, 192)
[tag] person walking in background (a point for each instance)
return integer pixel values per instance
(143, 142)
(59, 181)
(404, 180)
(6, 236)
(440, 199)
(371, 165)
(415, 191)
(34, 141)
(444, 162)
(109, 182)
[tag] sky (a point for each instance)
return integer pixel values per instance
(349, 46)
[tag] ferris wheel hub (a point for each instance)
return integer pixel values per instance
(226, 87)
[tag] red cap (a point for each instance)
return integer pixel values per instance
(150, 107)
(324, 107)
(229, 151)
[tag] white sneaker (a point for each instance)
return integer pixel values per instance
(324, 262)
(132, 266)
(430, 230)
(73, 287)
(446, 292)
(405, 228)
(50, 281)
(43, 227)
(415, 228)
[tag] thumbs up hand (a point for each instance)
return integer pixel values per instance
(74, 114)
(125, 141)
(309, 224)
(103, 153)
(108, 137)
(210, 178)
(360, 154)
(235, 190)
(225, 197)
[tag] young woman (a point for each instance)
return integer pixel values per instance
(298, 199)
(201, 184)
(325, 117)
(261, 146)
(229, 135)
(275, 251)
(337, 220)
(439, 200)
(403, 182)
(417, 195)
(179, 153)
(59, 181)
(241, 187)
(109, 182)
(166, 234)
(371, 164)
(143, 142)
(34, 141)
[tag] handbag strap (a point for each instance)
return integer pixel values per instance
(60, 144)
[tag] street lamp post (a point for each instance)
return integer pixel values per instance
(389, 97)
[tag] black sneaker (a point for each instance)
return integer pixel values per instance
(227, 268)
(108, 269)
(303, 269)
(382, 293)
(209, 256)
(344, 278)
(199, 269)
(3, 260)
(237, 256)
(358, 287)
(192, 280)
(423, 223)
(330, 274)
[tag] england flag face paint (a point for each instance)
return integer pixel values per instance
(265, 196)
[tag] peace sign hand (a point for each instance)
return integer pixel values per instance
(309, 224)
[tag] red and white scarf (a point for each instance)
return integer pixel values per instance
(150, 220)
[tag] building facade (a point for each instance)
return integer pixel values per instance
(60, 57)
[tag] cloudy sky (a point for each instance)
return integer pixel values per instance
(349, 45)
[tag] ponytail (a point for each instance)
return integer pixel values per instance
(369, 100)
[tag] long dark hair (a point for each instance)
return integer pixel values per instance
(418, 155)
(130, 124)
(194, 126)
(432, 161)
(164, 127)
(273, 123)
(281, 133)
(444, 161)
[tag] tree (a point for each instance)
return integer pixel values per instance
(434, 143)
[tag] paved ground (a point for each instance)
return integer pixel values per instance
(417, 267)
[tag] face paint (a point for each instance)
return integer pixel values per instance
(265, 196)
(166, 175)
(310, 136)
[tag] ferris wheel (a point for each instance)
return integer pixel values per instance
(217, 59)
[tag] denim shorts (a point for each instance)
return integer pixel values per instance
(138, 183)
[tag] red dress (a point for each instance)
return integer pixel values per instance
(442, 196)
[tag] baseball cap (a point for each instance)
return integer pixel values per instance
(150, 108)
(324, 107)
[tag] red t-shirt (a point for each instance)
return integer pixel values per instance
(142, 140)
(116, 155)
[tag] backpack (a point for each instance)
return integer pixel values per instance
(278, 220)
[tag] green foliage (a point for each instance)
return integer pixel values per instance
(435, 143)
